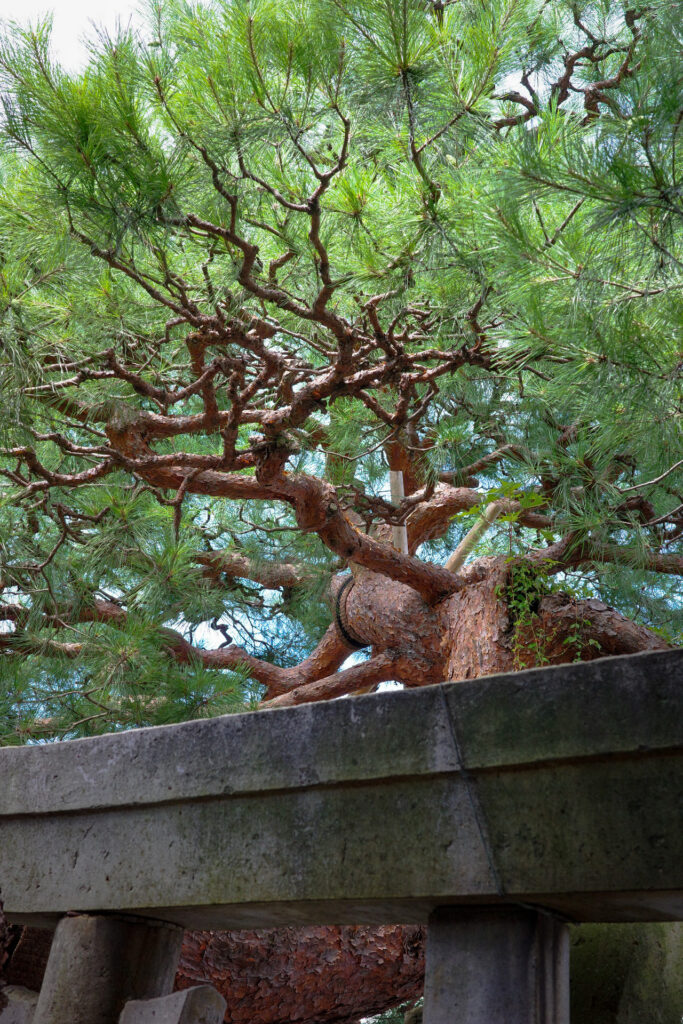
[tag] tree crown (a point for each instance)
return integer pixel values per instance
(270, 258)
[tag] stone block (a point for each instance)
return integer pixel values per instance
(199, 1005)
(97, 963)
(21, 1005)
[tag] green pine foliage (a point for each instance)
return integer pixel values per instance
(557, 218)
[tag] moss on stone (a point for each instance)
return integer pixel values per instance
(627, 974)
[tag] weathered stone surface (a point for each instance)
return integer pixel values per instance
(198, 1005)
(496, 966)
(627, 974)
(21, 1005)
(358, 811)
(569, 711)
(97, 964)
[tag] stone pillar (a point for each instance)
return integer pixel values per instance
(496, 965)
(97, 963)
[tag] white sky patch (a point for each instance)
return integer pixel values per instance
(73, 22)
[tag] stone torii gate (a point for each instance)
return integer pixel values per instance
(498, 810)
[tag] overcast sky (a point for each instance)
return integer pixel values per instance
(73, 19)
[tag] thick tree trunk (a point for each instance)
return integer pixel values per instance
(338, 975)
(333, 975)
(496, 625)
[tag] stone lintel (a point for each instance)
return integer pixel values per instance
(516, 788)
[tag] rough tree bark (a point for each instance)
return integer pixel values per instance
(475, 631)
(332, 975)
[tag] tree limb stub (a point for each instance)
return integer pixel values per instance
(377, 670)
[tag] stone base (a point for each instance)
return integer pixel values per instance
(21, 1005)
(198, 1005)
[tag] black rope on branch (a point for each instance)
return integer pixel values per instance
(340, 616)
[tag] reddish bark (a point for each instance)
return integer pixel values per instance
(584, 630)
(331, 975)
(476, 626)
(270, 574)
(480, 636)
(470, 633)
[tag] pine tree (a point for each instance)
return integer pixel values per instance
(330, 329)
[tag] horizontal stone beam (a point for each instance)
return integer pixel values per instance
(555, 787)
